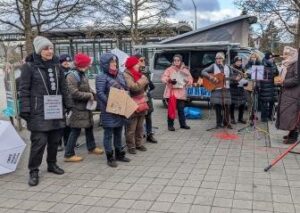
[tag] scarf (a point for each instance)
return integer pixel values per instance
(135, 74)
(292, 58)
(112, 72)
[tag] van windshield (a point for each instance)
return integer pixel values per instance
(164, 60)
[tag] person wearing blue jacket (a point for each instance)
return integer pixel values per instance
(112, 123)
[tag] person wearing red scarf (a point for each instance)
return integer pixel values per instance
(137, 84)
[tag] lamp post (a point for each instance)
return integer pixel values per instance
(195, 8)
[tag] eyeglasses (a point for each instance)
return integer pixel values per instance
(177, 60)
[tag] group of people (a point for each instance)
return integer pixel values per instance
(54, 98)
(54, 94)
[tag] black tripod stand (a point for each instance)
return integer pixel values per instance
(253, 116)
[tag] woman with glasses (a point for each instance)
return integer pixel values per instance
(220, 97)
(177, 77)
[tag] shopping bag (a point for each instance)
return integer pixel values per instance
(172, 106)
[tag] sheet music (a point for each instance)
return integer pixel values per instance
(180, 78)
(257, 72)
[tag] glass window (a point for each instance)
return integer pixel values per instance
(164, 60)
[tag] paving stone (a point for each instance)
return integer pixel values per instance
(161, 206)
(122, 203)
(180, 208)
(198, 209)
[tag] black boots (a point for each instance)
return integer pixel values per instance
(55, 169)
(291, 138)
(151, 139)
(110, 159)
(33, 178)
(120, 156)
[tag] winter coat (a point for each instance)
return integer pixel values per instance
(238, 95)
(251, 63)
(136, 88)
(179, 93)
(267, 89)
(32, 91)
(289, 102)
(150, 88)
(104, 82)
(79, 95)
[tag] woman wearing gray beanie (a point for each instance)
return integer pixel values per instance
(42, 93)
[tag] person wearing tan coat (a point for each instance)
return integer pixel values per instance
(136, 83)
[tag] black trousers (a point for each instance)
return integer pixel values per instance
(222, 114)
(39, 140)
(241, 111)
(181, 116)
(266, 110)
(148, 120)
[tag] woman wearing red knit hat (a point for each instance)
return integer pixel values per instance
(137, 84)
(80, 93)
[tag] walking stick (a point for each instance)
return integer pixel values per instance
(282, 155)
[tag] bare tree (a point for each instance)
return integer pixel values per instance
(33, 17)
(284, 12)
(138, 16)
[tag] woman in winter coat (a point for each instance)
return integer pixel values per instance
(137, 84)
(238, 95)
(41, 79)
(179, 92)
(79, 95)
(288, 107)
(267, 89)
(112, 123)
(253, 60)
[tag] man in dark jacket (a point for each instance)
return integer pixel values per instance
(42, 95)
(65, 65)
(267, 89)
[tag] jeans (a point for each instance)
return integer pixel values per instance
(75, 132)
(148, 124)
(39, 140)
(109, 133)
(180, 109)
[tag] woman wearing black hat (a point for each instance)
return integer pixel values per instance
(238, 96)
(267, 89)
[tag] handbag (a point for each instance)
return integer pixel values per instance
(141, 101)
(172, 106)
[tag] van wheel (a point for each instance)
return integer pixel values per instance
(165, 103)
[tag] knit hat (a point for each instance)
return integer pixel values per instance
(177, 56)
(82, 60)
(64, 57)
(220, 55)
(41, 43)
(237, 58)
(268, 54)
(131, 61)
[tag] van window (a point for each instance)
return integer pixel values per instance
(163, 60)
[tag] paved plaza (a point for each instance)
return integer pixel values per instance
(187, 171)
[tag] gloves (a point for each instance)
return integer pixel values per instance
(173, 81)
(25, 115)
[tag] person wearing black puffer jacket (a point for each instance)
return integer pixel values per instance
(267, 89)
(40, 82)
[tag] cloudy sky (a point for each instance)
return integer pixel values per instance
(208, 11)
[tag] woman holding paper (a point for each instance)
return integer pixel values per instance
(288, 107)
(80, 93)
(137, 84)
(112, 123)
(177, 77)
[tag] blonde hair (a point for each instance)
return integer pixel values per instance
(254, 55)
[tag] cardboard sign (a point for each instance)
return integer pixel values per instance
(120, 103)
(53, 108)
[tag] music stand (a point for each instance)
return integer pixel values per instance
(254, 107)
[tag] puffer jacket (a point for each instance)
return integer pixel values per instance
(79, 95)
(136, 88)
(104, 82)
(267, 89)
(32, 91)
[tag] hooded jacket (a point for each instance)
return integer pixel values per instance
(32, 91)
(104, 82)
